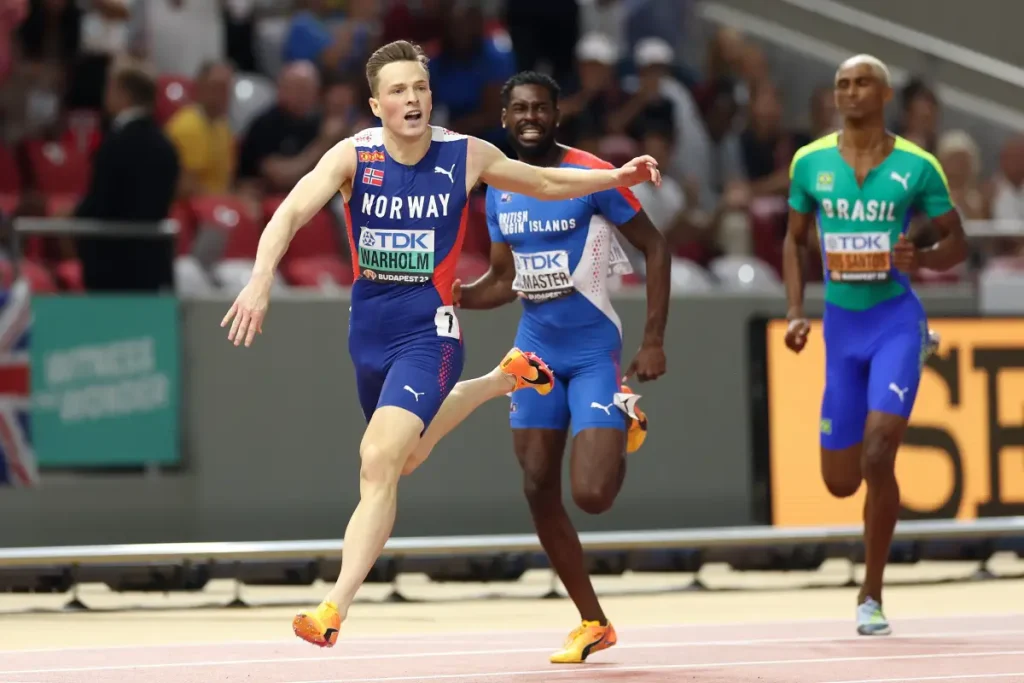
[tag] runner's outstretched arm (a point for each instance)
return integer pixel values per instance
(308, 196)
(489, 164)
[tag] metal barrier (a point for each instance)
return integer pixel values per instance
(683, 539)
(931, 46)
(83, 227)
(188, 566)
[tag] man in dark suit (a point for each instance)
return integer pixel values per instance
(134, 178)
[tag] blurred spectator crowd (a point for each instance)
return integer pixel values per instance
(209, 111)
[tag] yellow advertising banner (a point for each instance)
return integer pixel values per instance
(963, 455)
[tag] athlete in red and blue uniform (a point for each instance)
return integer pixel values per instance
(556, 256)
(406, 225)
(405, 186)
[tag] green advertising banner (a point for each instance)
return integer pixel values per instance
(105, 380)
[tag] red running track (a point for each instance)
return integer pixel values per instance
(975, 649)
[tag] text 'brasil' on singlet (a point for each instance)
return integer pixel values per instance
(859, 225)
(564, 250)
(405, 230)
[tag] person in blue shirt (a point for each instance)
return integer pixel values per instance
(467, 74)
(556, 256)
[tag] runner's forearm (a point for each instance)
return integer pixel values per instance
(273, 244)
(488, 292)
(659, 286)
(949, 252)
(793, 274)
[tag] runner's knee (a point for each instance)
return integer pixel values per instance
(594, 489)
(878, 459)
(597, 468)
(842, 486)
(541, 488)
(841, 471)
(379, 466)
(595, 497)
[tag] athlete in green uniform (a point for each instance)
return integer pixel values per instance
(863, 185)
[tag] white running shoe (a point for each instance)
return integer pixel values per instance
(871, 620)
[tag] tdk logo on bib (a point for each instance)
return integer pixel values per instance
(869, 241)
(418, 240)
(543, 275)
(858, 257)
(397, 256)
(543, 261)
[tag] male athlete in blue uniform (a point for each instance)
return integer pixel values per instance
(864, 185)
(555, 256)
(405, 187)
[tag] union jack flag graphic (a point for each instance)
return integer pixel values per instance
(17, 460)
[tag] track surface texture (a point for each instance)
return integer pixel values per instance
(769, 628)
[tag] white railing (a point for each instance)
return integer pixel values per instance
(831, 54)
(922, 42)
(463, 546)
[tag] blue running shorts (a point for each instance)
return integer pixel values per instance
(873, 362)
(416, 374)
(587, 371)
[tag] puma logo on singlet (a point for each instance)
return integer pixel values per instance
(450, 174)
(414, 392)
(902, 180)
(606, 409)
(896, 390)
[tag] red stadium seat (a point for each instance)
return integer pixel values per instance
(173, 92)
(312, 271)
(182, 212)
(633, 279)
(10, 172)
(9, 203)
(58, 168)
(477, 240)
(61, 204)
(84, 131)
(230, 214)
(315, 252)
(69, 275)
(471, 267)
(768, 229)
(38, 277)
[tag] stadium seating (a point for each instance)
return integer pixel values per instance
(173, 92)
(58, 168)
(39, 278)
(251, 95)
(689, 277)
(746, 274)
(10, 174)
(229, 218)
(190, 278)
(315, 253)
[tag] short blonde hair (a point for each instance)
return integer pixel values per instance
(397, 51)
(876, 65)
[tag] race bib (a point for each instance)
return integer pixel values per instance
(404, 257)
(618, 261)
(858, 257)
(543, 275)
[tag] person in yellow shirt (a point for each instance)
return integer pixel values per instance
(202, 135)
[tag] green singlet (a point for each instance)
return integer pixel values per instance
(859, 225)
